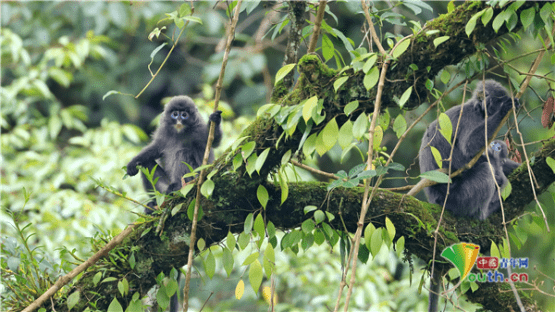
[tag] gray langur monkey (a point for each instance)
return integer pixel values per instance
(181, 137)
(473, 193)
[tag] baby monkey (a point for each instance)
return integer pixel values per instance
(180, 138)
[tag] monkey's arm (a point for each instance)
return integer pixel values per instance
(508, 166)
(474, 140)
(216, 118)
(148, 154)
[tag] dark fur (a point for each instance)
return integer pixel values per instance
(473, 193)
(171, 147)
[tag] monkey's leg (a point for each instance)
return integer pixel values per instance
(471, 193)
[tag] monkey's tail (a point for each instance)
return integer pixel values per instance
(433, 292)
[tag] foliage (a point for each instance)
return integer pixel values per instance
(60, 152)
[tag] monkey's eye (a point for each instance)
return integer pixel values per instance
(184, 115)
(175, 115)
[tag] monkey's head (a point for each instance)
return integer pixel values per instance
(180, 113)
(494, 94)
(498, 149)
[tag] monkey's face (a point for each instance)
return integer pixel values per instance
(499, 149)
(180, 113)
(179, 118)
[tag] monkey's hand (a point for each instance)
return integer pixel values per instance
(216, 117)
(132, 168)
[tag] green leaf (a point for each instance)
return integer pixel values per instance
(227, 260)
(346, 134)
(327, 48)
(247, 149)
(527, 17)
(319, 216)
(255, 275)
(498, 21)
(309, 107)
(361, 126)
(262, 195)
(350, 107)
(308, 226)
(550, 163)
(376, 242)
(436, 176)
(248, 224)
(369, 63)
(73, 299)
(284, 187)
(230, 241)
(62, 77)
(115, 306)
(243, 240)
(238, 161)
(109, 93)
(207, 188)
(185, 190)
(369, 230)
(270, 258)
(330, 134)
(405, 97)
(400, 49)
(506, 191)
(440, 40)
(282, 72)
(390, 228)
(210, 265)
(377, 137)
(445, 127)
(437, 157)
(201, 244)
(191, 210)
(487, 16)
(371, 78)
(250, 166)
(310, 144)
(193, 19)
(400, 125)
(400, 246)
(156, 50)
(308, 209)
(261, 159)
(445, 76)
(185, 9)
(473, 22)
(258, 226)
(339, 82)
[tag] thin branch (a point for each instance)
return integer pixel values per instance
(231, 32)
(316, 28)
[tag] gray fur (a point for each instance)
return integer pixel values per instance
(473, 193)
(171, 146)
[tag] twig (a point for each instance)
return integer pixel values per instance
(231, 32)
(316, 28)
(165, 59)
(366, 198)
